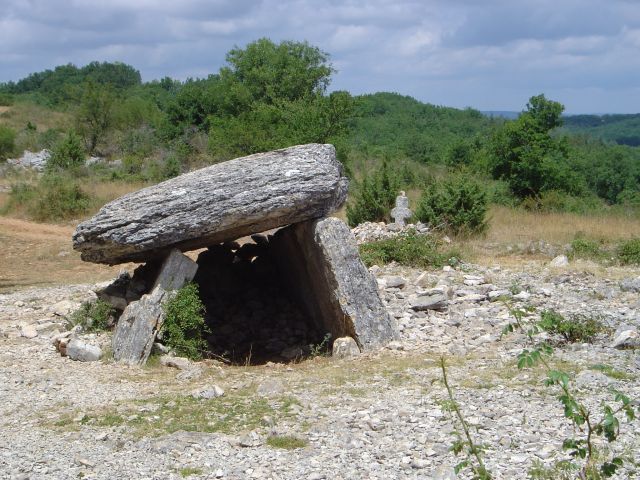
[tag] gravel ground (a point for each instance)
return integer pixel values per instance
(377, 416)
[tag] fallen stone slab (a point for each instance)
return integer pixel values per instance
(320, 262)
(215, 204)
(141, 321)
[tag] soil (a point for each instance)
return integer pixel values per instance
(42, 254)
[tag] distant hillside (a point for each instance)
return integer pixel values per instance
(392, 124)
(501, 114)
(617, 128)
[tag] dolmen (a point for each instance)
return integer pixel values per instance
(288, 193)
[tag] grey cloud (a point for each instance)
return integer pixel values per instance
(492, 54)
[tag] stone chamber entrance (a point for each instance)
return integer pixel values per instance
(252, 310)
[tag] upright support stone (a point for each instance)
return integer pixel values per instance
(320, 261)
(401, 213)
(142, 320)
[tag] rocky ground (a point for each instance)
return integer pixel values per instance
(377, 416)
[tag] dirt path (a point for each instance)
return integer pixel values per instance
(42, 254)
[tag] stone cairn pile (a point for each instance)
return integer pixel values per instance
(375, 231)
(306, 265)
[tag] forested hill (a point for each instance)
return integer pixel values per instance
(621, 129)
(273, 95)
(396, 125)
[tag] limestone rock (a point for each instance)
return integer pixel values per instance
(28, 331)
(181, 363)
(429, 302)
(630, 285)
(626, 336)
(345, 347)
(559, 261)
(215, 204)
(142, 320)
(320, 261)
(83, 352)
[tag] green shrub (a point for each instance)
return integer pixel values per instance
(7, 142)
(54, 197)
(629, 252)
(6, 99)
(93, 316)
(184, 324)
(584, 248)
(577, 328)
(374, 197)
(457, 205)
(552, 201)
(409, 249)
(286, 442)
(67, 154)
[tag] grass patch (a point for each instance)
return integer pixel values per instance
(611, 372)
(410, 249)
(188, 471)
(158, 416)
(286, 442)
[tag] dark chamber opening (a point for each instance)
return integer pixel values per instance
(251, 310)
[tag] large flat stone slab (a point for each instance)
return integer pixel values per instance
(320, 260)
(215, 204)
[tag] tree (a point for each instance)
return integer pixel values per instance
(95, 115)
(286, 71)
(527, 157)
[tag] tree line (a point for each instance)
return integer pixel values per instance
(271, 95)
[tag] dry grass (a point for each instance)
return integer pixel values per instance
(107, 191)
(42, 117)
(509, 225)
(38, 254)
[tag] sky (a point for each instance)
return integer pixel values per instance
(485, 54)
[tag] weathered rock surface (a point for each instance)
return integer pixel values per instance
(215, 204)
(142, 320)
(345, 347)
(83, 352)
(321, 262)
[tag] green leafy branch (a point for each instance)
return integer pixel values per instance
(464, 444)
(579, 415)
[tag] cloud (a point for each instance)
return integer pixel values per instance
(492, 54)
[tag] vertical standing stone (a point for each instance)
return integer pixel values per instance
(320, 261)
(142, 320)
(401, 213)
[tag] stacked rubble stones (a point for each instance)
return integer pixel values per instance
(270, 296)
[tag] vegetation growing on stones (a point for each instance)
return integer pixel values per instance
(410, 249)
(93, 316)
(586, 460)
(184, 327)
